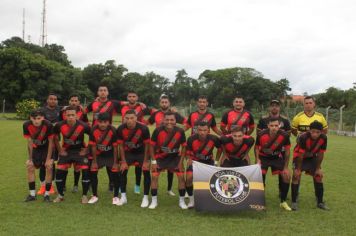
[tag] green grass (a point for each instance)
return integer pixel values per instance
(72, 218)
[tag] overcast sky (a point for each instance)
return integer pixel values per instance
(310, 42)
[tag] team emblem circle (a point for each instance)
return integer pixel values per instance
(229, 187)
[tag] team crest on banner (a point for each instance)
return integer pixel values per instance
(228, 189)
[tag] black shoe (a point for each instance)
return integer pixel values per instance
(30, 198)
(323, 206)
(46, 198)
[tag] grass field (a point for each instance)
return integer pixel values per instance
(72, 218)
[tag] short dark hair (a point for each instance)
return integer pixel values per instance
(203, 97)
(309, 97)
(169, 113)
(237, 129)
(71, 108)
(316, 125)
(273, 119)
(131, 112)
(37, 112)
(52, 94)
(105, 116)
(103, 85)
(163, 96)
(202, 123)
(132, 91)
(239, 96)
(73, 96)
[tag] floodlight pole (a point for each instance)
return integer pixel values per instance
(340, 120)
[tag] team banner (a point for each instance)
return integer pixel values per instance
(228, 189)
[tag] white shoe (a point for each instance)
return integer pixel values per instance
(145, 202)
(123, 200)
(153, 204)
(182, 204)
(171, 193)
(116, 201)
(93, 199)
(191, 202)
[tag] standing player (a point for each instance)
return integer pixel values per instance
(74, 101)
(202, 114)
(157, 118)
(103, 144)
(237, 117)
(302, 120)
(38, 133)
(236, 147)
(72, 151)
(166, 142)
(134, 143)
(275, 112)
(269, 146)
(141, 110)
(308, 157)
(200, 147)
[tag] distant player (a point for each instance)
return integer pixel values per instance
(202, 114)
(269, 146)
(38, 133)
(200, 147)
(236, 147)
(167, 152)
(134, 144)
(308, 156)
(73, 151)
(237, 117)
(103, 144)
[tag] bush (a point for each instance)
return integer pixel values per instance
(24, 108)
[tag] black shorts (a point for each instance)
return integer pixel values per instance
(208, 162)
(105, 161)
(234, 162)
(276, 164)
(308, 165)
(135, 159)
(169, 163)
(73, 157)
(39, 156)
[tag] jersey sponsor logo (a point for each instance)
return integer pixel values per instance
(229, 187)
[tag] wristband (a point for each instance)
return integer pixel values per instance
(153, 162)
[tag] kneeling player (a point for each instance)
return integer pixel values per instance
(134, 141)
(38, 132)
(103, 143)
(200, 147)
(165, 144)
(308, 156)
(72, 151)
(235, 148)
(270, 145)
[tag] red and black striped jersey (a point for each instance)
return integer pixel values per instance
(80, 115)
(284, 123)
(233, 118)
(195, 117)
(103, 140)
(140, 110)
(167, 143)
(38, 134)
(134, 139)
(237, 151)
(310, 147)
(73, 136)
(97, 107)
(272, 146)
(198, 149)
(157, 117)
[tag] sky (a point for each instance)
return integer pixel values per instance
(312, 43)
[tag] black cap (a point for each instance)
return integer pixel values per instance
(275, 102)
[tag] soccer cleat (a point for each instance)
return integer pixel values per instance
(137, 189)
(30, 198)
(145, 202)
(93, 199)
(84, 199)
(171, 193)
(46, 198)
(323, 206)
(294, 206)
(58, 199)
(123, 200)
(75, 189)
(116, 201)
(52, 191)
(191, 202)
(182, 204)
(153, 204)
(42, 190)
(285, 206)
